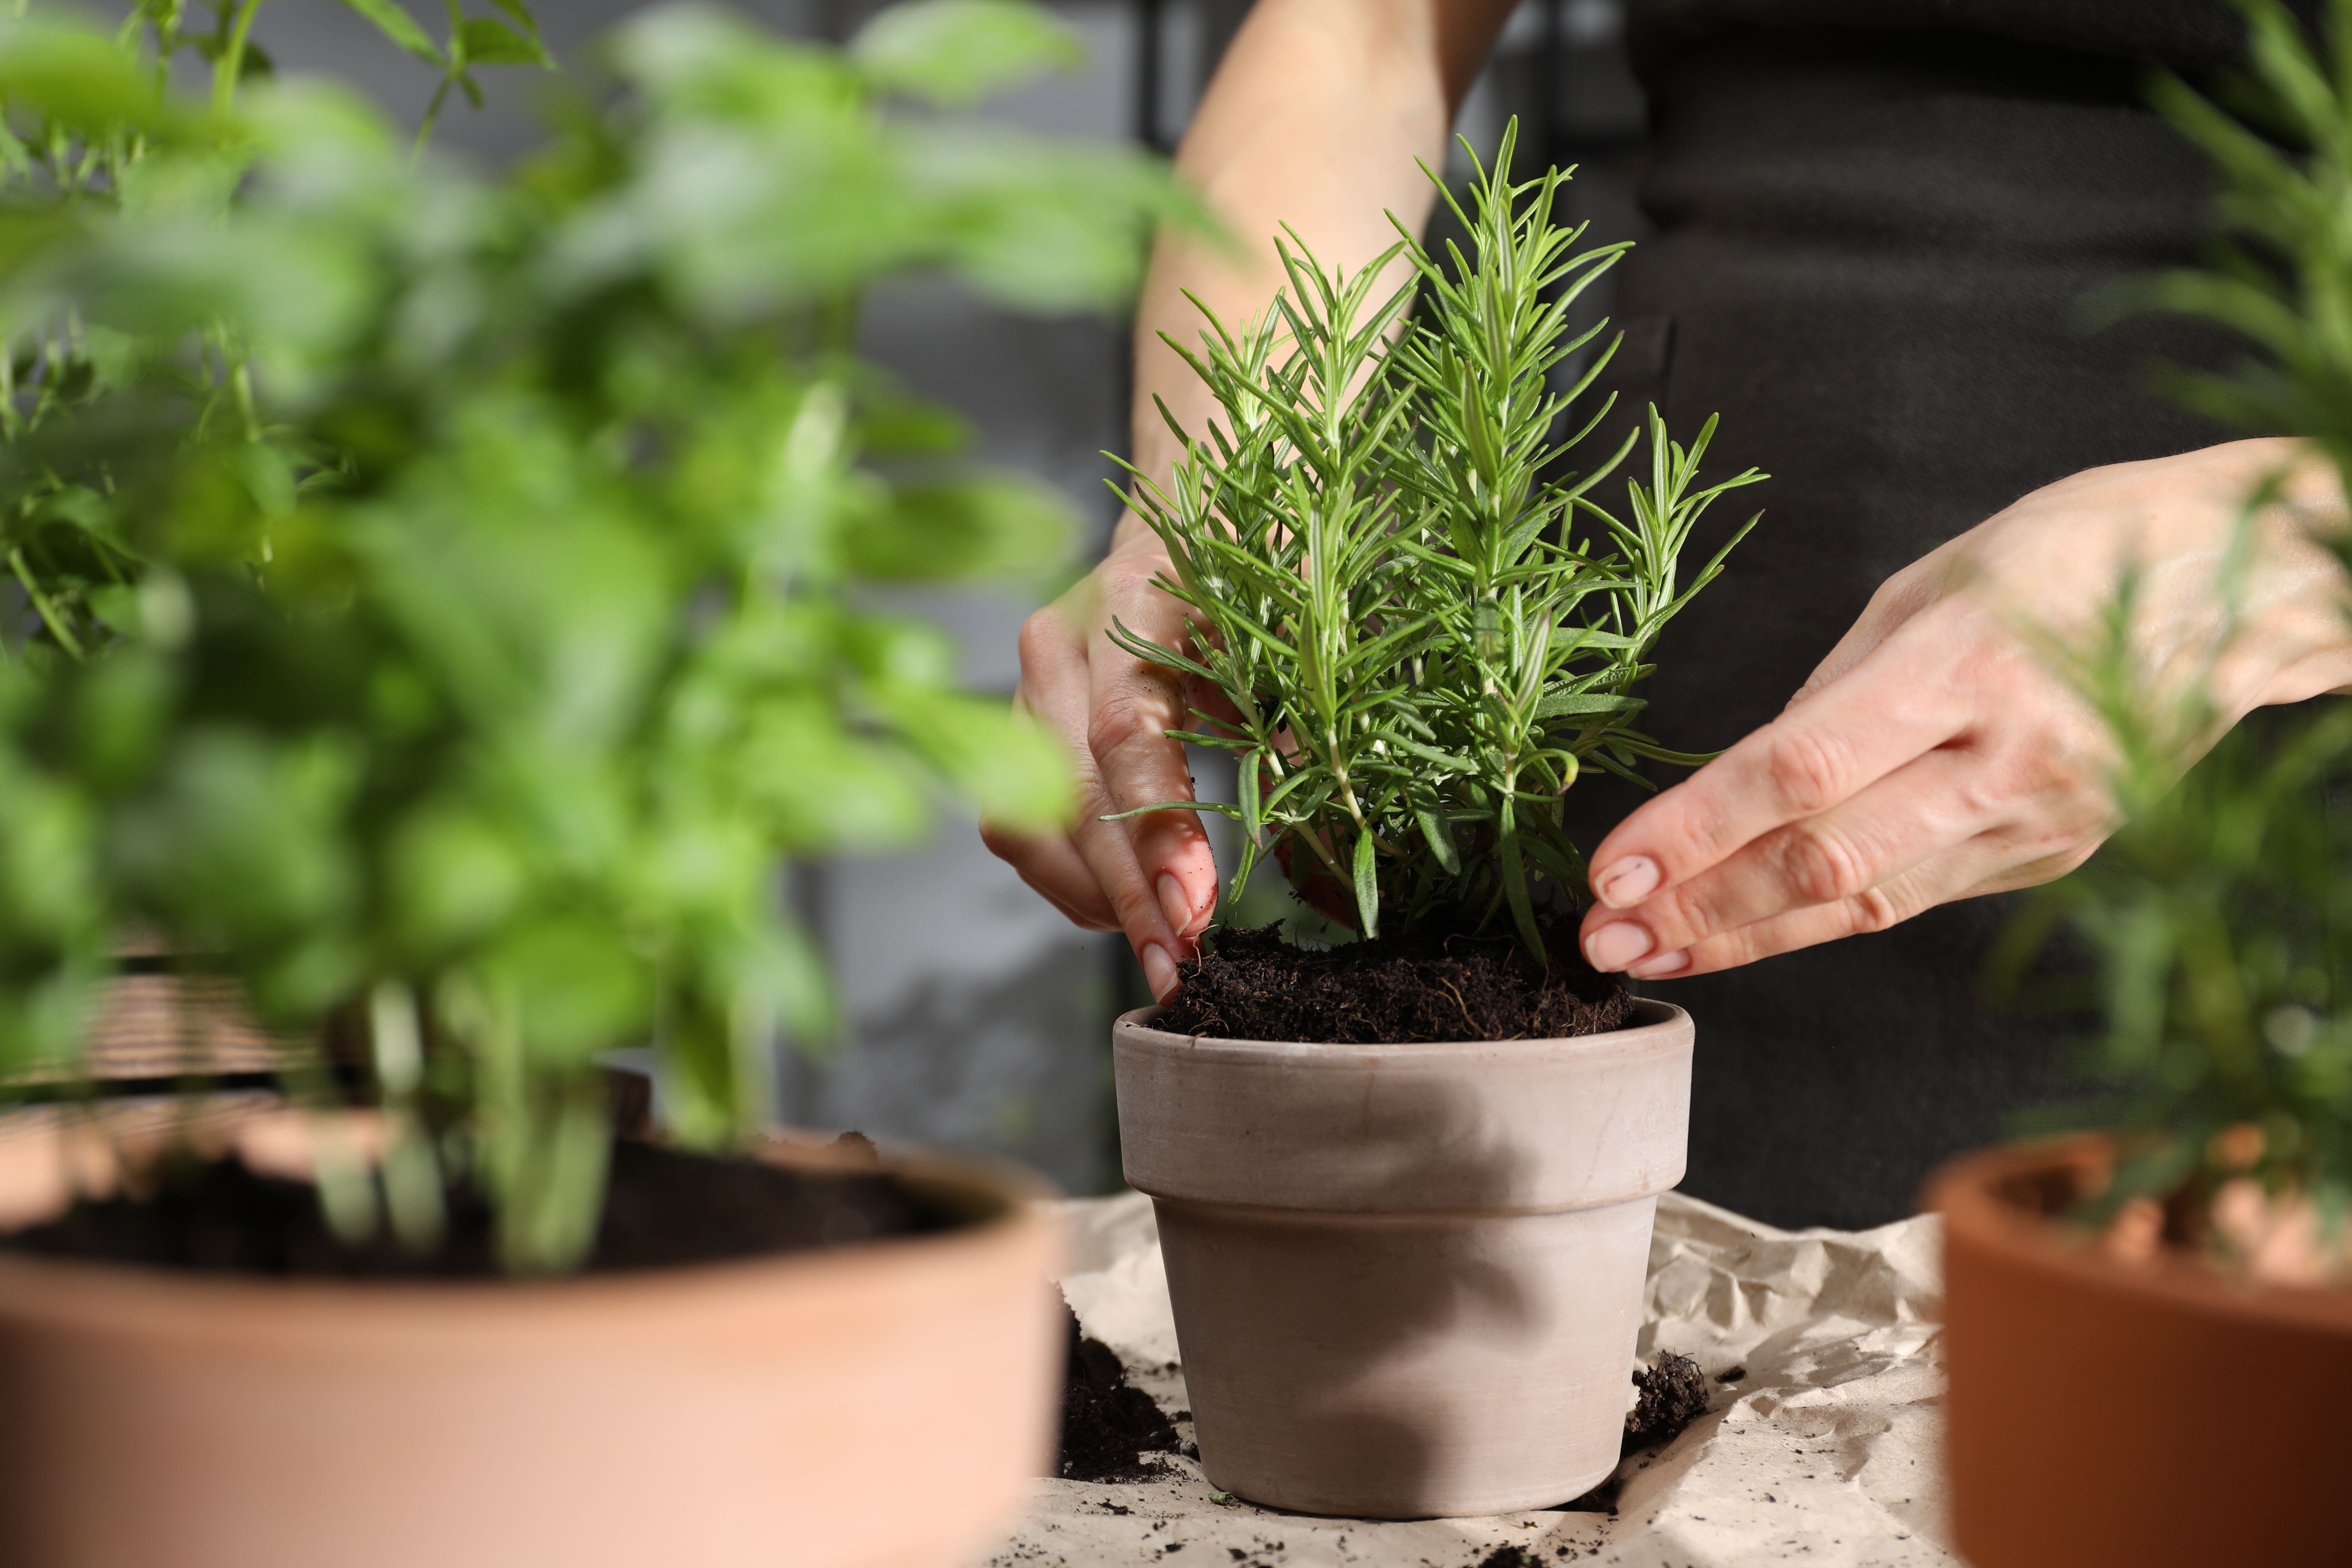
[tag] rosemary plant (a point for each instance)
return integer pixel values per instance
(2220, 916)
(1421, 630)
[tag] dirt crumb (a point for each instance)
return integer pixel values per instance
(1672, 1395)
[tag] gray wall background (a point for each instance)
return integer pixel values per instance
(978, 1016)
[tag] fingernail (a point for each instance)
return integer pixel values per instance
(1627, 882)
(1158, 971)
(1658, 968)
(1176, 902)
(1614, 946)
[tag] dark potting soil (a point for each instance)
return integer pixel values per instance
(664, 1208)
(1670, 1396)
(1667, 1398)
(1107, 1421)
(1419, 985)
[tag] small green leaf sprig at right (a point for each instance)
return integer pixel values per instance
(1415, 641)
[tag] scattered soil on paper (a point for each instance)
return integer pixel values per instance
(1107, 1421)
(1672, 1395)
(1419, 985)
(664, 1208)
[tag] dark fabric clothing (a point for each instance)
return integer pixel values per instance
(1872, 247)
(2185, 35)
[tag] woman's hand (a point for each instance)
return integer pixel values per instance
(1150, 876)
(1935, 755)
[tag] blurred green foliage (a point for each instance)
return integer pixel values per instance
(86, 109)
(464, 612)
(2220, 916)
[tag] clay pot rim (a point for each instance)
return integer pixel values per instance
(1654, 1021)
(1965, 1192)
(1008, 1200)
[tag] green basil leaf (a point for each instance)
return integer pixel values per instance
(485, 42)
(398, 25)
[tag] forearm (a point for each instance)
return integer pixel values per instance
(1314, 120)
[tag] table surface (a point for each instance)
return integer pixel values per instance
(1826, 1451)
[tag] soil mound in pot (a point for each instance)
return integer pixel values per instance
(1107, 1421)
(664, 1208)
(1421, 986)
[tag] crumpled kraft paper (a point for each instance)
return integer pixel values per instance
(1824, 1451)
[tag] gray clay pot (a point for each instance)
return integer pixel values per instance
(1407, 1280)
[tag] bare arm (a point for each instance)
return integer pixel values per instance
(1319, 119)
(1315, 120)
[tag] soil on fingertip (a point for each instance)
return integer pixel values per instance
(1418, 986)
(1107, 1422)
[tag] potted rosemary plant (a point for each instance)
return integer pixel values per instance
(2127, 1309)
(1405, 1185)
(444, 607)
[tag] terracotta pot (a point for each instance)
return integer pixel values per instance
(879, 1407)
(2142, 1414)
(1407, 1280)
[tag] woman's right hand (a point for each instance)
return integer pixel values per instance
(1152, 877)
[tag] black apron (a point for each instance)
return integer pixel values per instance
(1877, 219)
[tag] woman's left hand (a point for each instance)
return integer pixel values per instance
(1935, 755)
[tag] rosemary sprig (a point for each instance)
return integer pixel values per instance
(1423, 630)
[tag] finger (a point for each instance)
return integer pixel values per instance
(1054, 869)
(1104, 858)
(1929, 805)
(1133, 706)
(1839, 741)
(1058, 687)
(1988, 863)
(1873, 910)
(1153, 901)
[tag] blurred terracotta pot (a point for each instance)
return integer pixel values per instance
(1407, 1280)
(2115, 1413)
(879, 1407)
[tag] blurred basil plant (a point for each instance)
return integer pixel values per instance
(466, 570)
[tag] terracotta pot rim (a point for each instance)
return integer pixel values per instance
(36, 1286)
(1652, 1016)
(1964, 1191)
